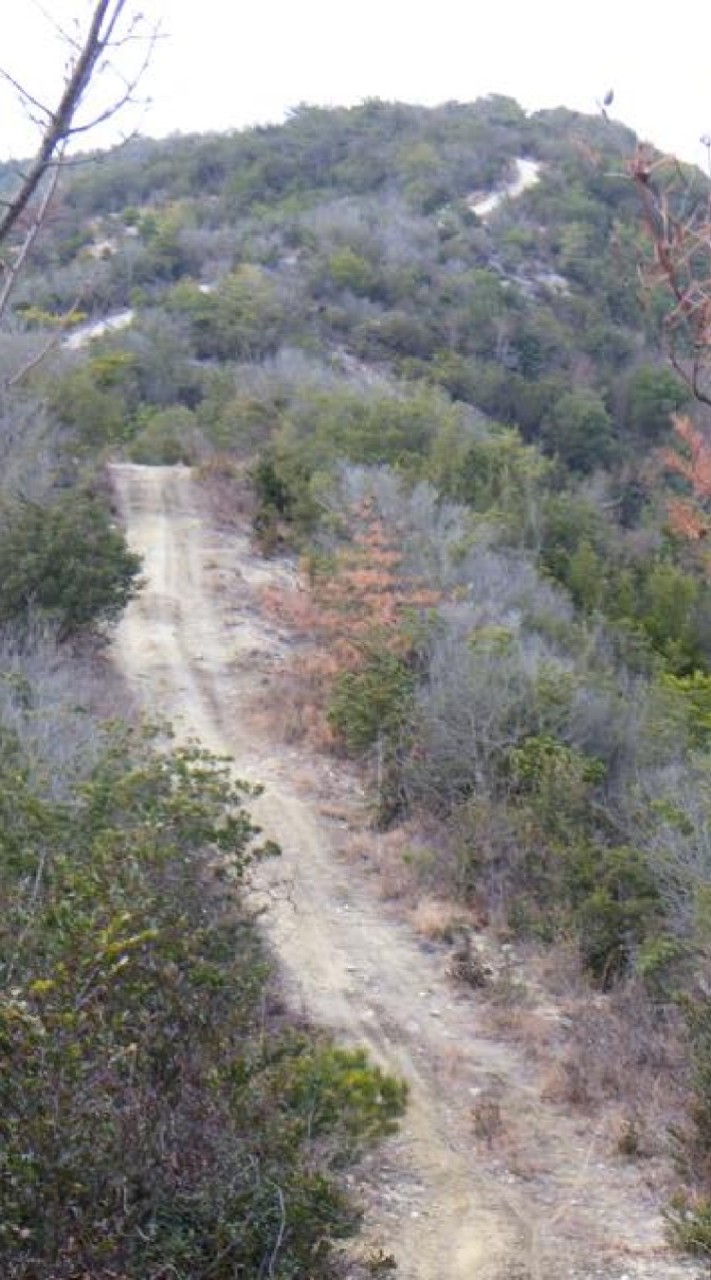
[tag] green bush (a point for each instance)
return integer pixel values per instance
(579, 431)
(169, 436)
(350, 270)
(694, 690)
(154, 1119)
(96, 415)
(606, 895)
(284, 483)
(376, 701)
(243, 319)
(338, 1089)
(689, 1224)
(618, 914)
(66, 560)
(653, 395)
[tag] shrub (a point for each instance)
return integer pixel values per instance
(169, 436)
(376, 701)
(154, 1118)
(689, 1224)
(66, 560)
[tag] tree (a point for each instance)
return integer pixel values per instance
(67, 561)
(579, 431)
(113, 34)
(676, 211)
(653, 395)
(690, 459)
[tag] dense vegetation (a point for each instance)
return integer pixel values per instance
(464, 422)
(151, 1120)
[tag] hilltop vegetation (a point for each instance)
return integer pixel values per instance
(463, 423)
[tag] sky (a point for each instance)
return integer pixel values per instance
(221, 65)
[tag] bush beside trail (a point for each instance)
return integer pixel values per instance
(157, 1114)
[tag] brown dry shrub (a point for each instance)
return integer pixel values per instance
(619, 1049)
(226, 489)
(436, 919)
(393, 856)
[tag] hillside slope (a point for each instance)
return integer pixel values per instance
(541, 1198)
(418, 335)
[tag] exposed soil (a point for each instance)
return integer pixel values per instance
(487, 1179)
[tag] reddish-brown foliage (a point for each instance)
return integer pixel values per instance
(678, 223)
(690, 516)
(361, 600)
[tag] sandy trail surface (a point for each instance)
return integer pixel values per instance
(453, 1198)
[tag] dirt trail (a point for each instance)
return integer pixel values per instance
(452, 1202)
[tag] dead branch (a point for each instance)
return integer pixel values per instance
(102, 39)
(681, 249)
(111, 28)
(13, 267)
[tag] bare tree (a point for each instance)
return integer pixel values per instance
(676, 210)
(117, 40)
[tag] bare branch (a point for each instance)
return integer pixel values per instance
(110, 30)
(101, 38)
(125, 98)
(32, 363)
(679, 229)
(24, 93)
(12, 270)
(61, 31)
(282, 1229)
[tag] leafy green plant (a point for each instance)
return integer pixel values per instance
(153, 1118)
(374, 701)
(66, 560)
(689, 1224)
(169, 436)
(338, 1089)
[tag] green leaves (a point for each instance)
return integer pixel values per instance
(336, 1088)
(375, 701)
(152, 1118)
(579, 431)
(66, 560)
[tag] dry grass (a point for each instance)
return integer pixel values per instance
(616, 1051)
(523, 1024)
(487, 1116)
(227, 491)
(360, 846)
(618, 1057)
(292, 710)
(436, 919)
(453, 1066)
(395, 859)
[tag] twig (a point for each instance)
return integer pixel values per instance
(281, 1233)
(61, 126)
(13, 269)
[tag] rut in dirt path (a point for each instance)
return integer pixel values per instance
(453, 1203)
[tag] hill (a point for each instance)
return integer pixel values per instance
(412, 342)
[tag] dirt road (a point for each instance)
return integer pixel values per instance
(532, 1194)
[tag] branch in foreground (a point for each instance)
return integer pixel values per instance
(679, 227)
(91, 58)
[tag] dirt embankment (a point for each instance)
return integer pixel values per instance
(487, 1179)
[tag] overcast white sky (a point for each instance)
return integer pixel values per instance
(222, 65)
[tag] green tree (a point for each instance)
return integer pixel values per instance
(241, 320)
(579, 431)
(96, 415)
(653, 395)
(66, 560)
(350, 270)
